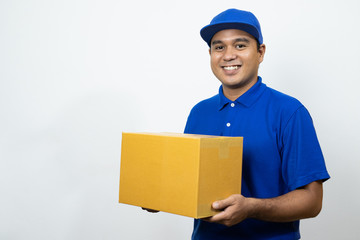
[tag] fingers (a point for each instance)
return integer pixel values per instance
(150, 210)
(225, 217)
(218, 217)
(231, 211)
(222, 204)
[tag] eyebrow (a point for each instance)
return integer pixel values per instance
(235, 41)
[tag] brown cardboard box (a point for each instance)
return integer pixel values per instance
(179, 173)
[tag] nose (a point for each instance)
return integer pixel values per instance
(229, 54)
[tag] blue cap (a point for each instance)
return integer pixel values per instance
(233, 19)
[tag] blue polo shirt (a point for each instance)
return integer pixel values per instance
(281, 153)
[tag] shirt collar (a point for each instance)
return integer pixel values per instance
(248, 98)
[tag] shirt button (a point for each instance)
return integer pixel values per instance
(232, 104)
(228, 124)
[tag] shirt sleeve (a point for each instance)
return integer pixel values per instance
(302, 158)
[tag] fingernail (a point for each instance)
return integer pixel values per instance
(216, 205)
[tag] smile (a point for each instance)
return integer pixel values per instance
(229, 68)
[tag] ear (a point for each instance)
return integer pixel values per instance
(209, 51)
(261, 51)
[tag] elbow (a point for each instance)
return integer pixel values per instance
(315, 199)
(316, 210)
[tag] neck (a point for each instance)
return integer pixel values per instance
(234, 93)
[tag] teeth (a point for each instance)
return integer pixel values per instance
(231, 67)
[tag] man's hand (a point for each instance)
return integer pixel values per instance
(150, 210)
(304, 202)
(234, 209)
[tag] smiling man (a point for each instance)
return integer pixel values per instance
(283, 166)
(235, 58)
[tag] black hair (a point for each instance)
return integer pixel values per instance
(257, 45)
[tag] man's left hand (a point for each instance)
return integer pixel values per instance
(234, 209)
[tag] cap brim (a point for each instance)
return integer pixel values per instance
(209, 31)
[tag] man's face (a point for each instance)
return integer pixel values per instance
(235, 59)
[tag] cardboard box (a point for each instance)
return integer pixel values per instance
(179, 173)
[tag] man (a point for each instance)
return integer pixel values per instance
(283, 166)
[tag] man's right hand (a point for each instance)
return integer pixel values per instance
(150, 210)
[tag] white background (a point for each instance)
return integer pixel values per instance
(74, 74)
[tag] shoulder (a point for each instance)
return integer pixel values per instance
(282, 108)
(206, 105)
(283, 105)
(200, 114)
(283, 100)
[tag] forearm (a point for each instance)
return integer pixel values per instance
(298, 204)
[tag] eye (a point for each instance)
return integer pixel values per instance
(240, 46)
(218, 48)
